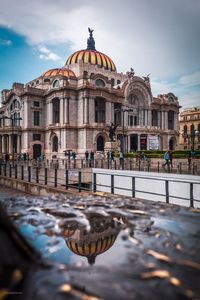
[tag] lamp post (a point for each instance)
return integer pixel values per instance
(191, 137)
(13, 119)
(123, 110)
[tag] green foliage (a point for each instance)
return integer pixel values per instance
(160, 154)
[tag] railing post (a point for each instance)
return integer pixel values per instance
(133, 187)
(29, 174)
(5, 169)
(37, 173)
(191, 195)
(112, 184)
(45, 176)
(10, 170)
(66, 179)
(94, 182)
(167, 190)
(16, 171)
(55, 177)
(148, 165)
(79, 181)
(158, 166)
(22, 172)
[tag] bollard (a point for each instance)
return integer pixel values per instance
(148, 165)
(66, 179)
(55, 177)
(29, 174)
(158, 166)
(22, 172)
(37, 173)
(5, 169)
(94, 182)
(0, 169)
(79, 181)
(15, 171)
(45, 176)
(193, 168)
(10, 170)
(180, 167)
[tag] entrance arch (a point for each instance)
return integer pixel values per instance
(37, 151)
(100, 143)
(172, 144)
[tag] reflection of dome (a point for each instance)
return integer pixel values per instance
(62, 72)
(92, 56)
(91, 249)
(103, 233)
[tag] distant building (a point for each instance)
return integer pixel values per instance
(71, 108)
(190, 128)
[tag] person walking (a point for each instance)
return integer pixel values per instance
(167, 159)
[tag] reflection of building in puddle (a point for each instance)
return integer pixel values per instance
(100, 238)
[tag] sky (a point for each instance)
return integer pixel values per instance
(152, 36)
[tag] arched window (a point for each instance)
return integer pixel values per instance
(185, 130)
(55, 144)
(100, 83)
(56, 111)
(171, 119)
(100, 109)
(56, 84)
(192, 129)
(154, 117)
(100, 143)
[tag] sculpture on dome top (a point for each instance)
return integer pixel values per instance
(146, 78)
(90, 40)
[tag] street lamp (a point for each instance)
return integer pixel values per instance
(123, 110)
(13, 119)
(191, 137)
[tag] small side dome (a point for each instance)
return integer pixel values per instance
(62, 71)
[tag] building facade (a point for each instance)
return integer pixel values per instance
(190, 128)
(71, 108)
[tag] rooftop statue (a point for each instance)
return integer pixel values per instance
(131, 73)
(146, 78)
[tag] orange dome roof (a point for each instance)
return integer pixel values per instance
(93, 57)
(62, 72)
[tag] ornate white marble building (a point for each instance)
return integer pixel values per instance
(71, 108)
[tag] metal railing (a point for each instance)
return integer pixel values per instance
(83, 180)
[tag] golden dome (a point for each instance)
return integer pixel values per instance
(59, 71)
(93, 57)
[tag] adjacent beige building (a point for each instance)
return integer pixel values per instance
(190, 128)
(71, 108)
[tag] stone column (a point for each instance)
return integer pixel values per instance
(61, 111)
(163, 120)
(138, 142)
(3, 144)
(25, 116)
(166, 120)
(108, 112)
(18, 144)
(91, 110)
(66, 110)
(147, 142)
(149, 123)
(50, 113)
(159, 115)
(85, 110)
(10, 143)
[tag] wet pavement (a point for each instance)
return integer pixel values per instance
(110, 247)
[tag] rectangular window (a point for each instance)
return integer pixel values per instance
(130, 121)
(36, 136)
(36, 103)
(36, 120)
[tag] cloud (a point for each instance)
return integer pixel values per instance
(46, 54)
(154, 37)
(191, 79)
(5, 42)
